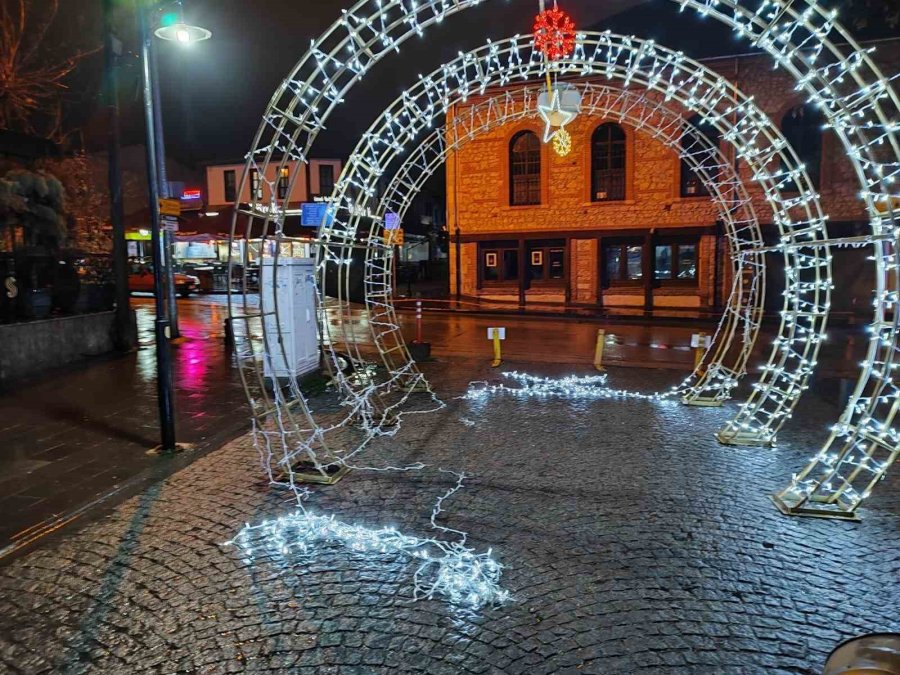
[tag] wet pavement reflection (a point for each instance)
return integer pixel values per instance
(81, 435)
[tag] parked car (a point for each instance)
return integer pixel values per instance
(140, 279)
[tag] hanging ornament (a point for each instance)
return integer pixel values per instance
(554, 33)
(557, 107)
(562, 142)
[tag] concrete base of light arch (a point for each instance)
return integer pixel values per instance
(751, 439)
(832, 513)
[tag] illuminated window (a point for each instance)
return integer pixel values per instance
(256, 190)
(524, 169)
(608, 163)
(284, 180)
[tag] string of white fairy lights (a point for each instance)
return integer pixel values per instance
(860, 105)
(445, 569)
(713, 380)
(757, 142)
(570, 387)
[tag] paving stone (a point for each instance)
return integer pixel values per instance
(632, 542)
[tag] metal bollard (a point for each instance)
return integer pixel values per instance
(700, 351)
(229, 334)
(418, 321)
(498, 359)
(598, 353)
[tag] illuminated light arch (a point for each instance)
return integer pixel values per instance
(859, 104)
(712, 382)
(756, 140)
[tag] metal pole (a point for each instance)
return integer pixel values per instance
(162, 177)
(126, 331)
(165, 392)
(458, 244)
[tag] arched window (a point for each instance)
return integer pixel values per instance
(698, 137)
(802, 127)
(524, 169)
(608, 163)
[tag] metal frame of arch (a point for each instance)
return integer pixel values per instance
(858, 102)
(755, 139)
(725, 362)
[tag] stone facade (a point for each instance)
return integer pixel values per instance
(653, 212)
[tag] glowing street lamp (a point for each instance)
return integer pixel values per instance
(173, 28)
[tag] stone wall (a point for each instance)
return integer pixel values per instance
(30, 348)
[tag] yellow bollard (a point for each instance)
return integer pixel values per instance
(495, 333)
(598, 354)
(699, 352)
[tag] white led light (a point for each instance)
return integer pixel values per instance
(858, 103)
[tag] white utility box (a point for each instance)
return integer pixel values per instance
(294, 289)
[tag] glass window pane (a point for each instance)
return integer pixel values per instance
(536, 264)
(491, 266)
(230, 185)
(511, 264)
(687, 261)
(635, 266)
(663, 262)
(613, 263)
(557, 263)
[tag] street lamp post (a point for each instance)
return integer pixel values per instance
(164, 389)
(159, 142)
(158, 186)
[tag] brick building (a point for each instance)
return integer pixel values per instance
(619, 222)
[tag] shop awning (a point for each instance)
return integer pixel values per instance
(210, 225)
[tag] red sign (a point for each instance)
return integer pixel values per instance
(191, 195)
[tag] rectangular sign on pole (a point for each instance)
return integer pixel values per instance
(699, 340)
(501, 331)
(169, 224)
(170, 207)
(393, 237)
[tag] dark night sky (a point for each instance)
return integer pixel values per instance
(215, 92)
(222, 87)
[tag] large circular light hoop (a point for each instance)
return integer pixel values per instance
(755, 139)
(713, 380)
(858, 102)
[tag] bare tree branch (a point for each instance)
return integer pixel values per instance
(32, 75)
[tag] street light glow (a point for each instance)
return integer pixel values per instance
(183, 33)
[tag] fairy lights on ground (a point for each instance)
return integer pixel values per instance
(755, 138)
(857, 100)
(740, 323)
(572, 387)
(445, 570)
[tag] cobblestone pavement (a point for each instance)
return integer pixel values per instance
(78, 436)
(632, 542)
